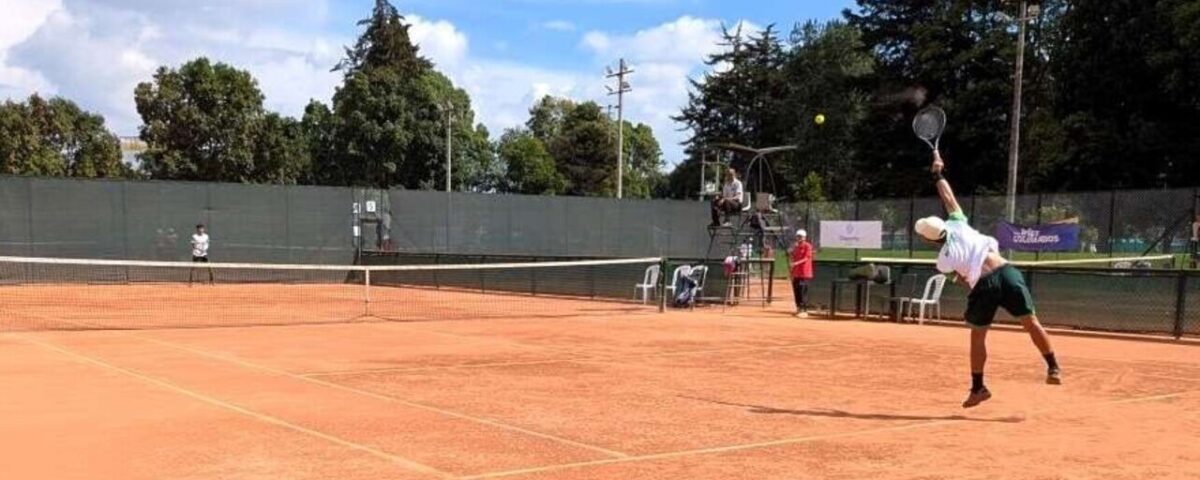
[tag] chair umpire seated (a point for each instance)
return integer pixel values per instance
(730, 199)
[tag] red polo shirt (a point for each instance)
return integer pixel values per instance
(802, 251)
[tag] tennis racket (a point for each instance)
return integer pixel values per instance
(929, 124)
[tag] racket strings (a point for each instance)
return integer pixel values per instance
(929, 125)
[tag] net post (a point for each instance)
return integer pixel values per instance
(1180, 302)
(662, 285)
(771, 281)
(367, 291)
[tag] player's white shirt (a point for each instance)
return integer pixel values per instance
(199, 244)
(965, 250)
(732, 190)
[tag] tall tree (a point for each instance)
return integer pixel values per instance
(585, 152)
(387, 124)
(643, 176)
(959, 54)
(1127, 76)
(827, 71)
(205, 121)
(56, 138)
(529, 168)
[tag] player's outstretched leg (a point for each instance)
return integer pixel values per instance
(979, 392)
(1042, 340)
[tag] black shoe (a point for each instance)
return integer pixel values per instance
(976, 398)
(1054, 376)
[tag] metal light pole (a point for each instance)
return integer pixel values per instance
(1014, 146)
(449, 108)
(622, 88)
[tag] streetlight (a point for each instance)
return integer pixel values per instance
(623, 87)
(1026, 13)
(448, 107)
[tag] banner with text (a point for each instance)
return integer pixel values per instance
(866, 235)
(1038, 238)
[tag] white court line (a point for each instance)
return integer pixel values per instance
(389, 398)
(367, 393)
(711, 450)
(404, 462)
(785, 441)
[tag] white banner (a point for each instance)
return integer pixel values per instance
(866, 235)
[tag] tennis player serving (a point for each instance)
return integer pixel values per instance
(974, 258)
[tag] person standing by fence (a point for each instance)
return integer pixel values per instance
(802, 271)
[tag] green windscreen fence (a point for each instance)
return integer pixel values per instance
(102, 219)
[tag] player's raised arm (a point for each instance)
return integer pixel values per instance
(943, 186)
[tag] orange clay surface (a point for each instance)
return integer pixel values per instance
(574, 390)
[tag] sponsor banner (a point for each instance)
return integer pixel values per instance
(865, 235)
(1038, 238)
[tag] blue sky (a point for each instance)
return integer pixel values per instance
(505, 53)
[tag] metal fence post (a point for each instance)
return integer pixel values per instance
(662, 285)
(857, 207)
(1180, 303)
(912, 211)
(1038, 254)
(1112, 220)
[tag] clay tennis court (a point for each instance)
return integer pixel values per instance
(574, 390)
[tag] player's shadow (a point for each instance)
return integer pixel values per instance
(833, 413)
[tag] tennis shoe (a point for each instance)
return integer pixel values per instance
(1054, 377)
(976, 398)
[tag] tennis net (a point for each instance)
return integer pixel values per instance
(77, 294)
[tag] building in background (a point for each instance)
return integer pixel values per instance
(130, 148)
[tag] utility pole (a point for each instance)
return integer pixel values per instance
(622, 88)
(1014, 146)
(449, 108)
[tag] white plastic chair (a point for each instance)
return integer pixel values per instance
(932, 297)
(649, 283)
(680, 270)
(703, 269)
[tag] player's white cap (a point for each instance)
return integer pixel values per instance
(932, 228)
(802, 233)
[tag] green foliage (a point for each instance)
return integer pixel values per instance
(57, 138)
(388, 123)
(582, 141)
(769, 95)
(585, 151)
(206, 122)
(529, 167)
(643, 162)
(1125, 88)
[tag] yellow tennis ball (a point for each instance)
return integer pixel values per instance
(820, 119)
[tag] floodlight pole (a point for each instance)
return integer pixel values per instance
(449, 108)
(622, 88)
(1014, 146)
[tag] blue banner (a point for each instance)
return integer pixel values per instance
(1038, 238)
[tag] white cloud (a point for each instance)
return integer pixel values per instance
(96, 51)
(663, 58)
(20, 20)
(439, 40)
(559, 26)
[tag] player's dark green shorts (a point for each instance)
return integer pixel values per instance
(1004, 287)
